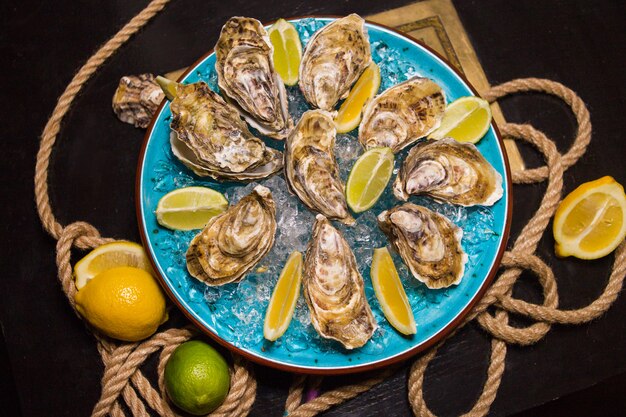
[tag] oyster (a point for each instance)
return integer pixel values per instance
(209, 137)
(402, 114)
(310, 167)
(136, 99)
(233, 242)
(429, 244)
(334, 289)
(333, 60)
(450, 171)
(246, 75)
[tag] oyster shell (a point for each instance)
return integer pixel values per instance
(402, 114)
(233, 242)
(450, 171)
(136, 99)
(310, 167)
(333, 60)
(429, 244)
(209, 137)
(246, 75)
(334, 289)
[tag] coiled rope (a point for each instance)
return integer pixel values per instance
(123, 381)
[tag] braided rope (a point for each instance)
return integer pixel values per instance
(123, 381)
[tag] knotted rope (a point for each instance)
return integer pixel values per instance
(124, 382)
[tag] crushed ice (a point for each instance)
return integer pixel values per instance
(239, 308)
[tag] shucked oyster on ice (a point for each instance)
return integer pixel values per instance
(402, 114)
(233, 242)
(311, 169)
(429, 244)
(333, 60)
(450, 171)
(209, 137)
(334, 289)
(246, 75)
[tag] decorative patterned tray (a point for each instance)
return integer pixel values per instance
(233, 314)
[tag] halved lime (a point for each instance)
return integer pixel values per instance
(189, 208)
(368, 178)
(465, 120)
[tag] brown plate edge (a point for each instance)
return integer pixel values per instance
(357, 368)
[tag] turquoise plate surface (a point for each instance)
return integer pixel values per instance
(233, 314)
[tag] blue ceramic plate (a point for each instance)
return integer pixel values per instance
(233, 314)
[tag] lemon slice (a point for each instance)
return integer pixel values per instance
(283, 301)
(366, 87)
(368, 178)
(591, 221)
(390, 292)
(466, 120)
(287, 50)
(108, 256)
(189, 208)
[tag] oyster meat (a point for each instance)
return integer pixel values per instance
(209, 137)
(233, 242)
(428, 243)
(311, 169)
(402, 114)
(246, 75)
(450, 171)
(334, 289)
(333, 60)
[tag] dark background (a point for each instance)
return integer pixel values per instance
(49, 365)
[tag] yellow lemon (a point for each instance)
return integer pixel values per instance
(390, 292)
(287, 50)
(368, 178)
(366, 87)
(110, 256)
(465, 120)
(284, 298)
(590, 222)
(189, 208)
(124, 303)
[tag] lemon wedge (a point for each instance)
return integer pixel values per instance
(366, 87)
(591, 221)
(284, 298)
(390, 292)
(287, 50)
(189, 208)
(368, 178)
(169, 87)
(465, 120)
(108, 256)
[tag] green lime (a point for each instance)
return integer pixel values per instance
(197, 378)
(368, 178)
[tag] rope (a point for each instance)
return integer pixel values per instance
(122, 379)
(124, 382)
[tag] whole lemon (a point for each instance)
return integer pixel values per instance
(124, 303)
(197, 379)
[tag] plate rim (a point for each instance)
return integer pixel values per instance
(350, 369)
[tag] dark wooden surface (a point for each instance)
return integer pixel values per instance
(49, 365)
